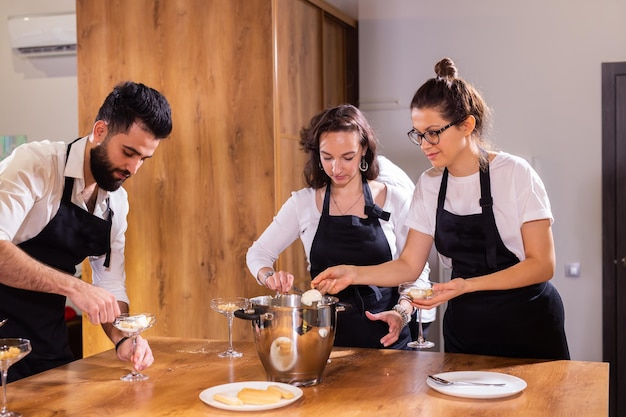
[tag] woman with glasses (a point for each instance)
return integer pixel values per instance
(345, 216)
(489, 216)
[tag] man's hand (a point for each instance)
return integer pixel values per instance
(142, 358)
(99, 304)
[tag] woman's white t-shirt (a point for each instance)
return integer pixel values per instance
(519, 196)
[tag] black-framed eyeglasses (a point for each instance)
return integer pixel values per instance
(431, 136)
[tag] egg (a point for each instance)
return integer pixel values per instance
(311, 296)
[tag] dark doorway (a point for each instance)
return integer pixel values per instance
(614, 230)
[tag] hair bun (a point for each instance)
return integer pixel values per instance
(446, 69)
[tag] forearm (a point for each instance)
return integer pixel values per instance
(260, 259)
(19, 270)
(263, 273)
(388, 274)
(525, 273)
(284, 229)
(538, 265)
(411, 264)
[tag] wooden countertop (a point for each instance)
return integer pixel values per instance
(357, 382)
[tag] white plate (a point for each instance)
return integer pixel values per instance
(513, 385)
(235, 387)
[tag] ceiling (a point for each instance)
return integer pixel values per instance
(349, 7)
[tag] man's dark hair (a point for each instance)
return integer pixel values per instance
(131, 102)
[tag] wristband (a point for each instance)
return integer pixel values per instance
(267, 275)
(405, 316)
(119, 342)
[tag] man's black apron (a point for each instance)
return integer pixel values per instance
(352, 240)
(71, 236)
(524, 322)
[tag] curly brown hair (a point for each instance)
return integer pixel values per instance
(342, 118)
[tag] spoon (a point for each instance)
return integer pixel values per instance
(446, 382)
(297, 290)
(293, 288)
(2, 322)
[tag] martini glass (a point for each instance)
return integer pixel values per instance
(11, 351)
(413, 291)
(227, 306)
(132, 326)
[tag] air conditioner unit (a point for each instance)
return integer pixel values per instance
(43, 34)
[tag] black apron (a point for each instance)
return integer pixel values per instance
(71, 236)
(355, 241)
(524, 322)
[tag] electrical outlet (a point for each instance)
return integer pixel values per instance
(572, 270)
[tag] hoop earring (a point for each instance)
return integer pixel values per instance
(320, 165)
(363, 165)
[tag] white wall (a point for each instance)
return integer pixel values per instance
(538, 65)
(38, 97)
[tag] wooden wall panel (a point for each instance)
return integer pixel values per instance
(199, 203)
(233, 156)
(334, 47)
(299, 97)
(291, 179)
(299, 71)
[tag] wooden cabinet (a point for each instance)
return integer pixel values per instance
(243, 77)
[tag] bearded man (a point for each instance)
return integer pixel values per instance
(60, 204)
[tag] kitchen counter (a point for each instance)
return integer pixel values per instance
(356, 382)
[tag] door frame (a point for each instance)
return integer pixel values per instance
(612, 342)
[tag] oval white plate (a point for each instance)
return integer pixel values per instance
(513, 385)
(235, 387)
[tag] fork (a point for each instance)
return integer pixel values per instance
(446, 382)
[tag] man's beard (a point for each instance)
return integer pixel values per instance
(102, 169)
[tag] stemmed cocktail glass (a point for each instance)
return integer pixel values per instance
(227, 306)
(132, 326)
(413, 291)
(11, 351)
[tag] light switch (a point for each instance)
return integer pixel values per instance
(572, 270)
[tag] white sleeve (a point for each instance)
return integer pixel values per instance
(28, 175)
(392, 174)
(282, 232)
(397, 202)
(534, 200)
(113, 279)
(423, 211)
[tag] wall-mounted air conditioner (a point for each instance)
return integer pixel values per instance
(43, 34)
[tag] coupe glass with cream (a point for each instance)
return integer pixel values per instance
(132, 326)
(413, 291)
(11, 351)
(227, 306)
